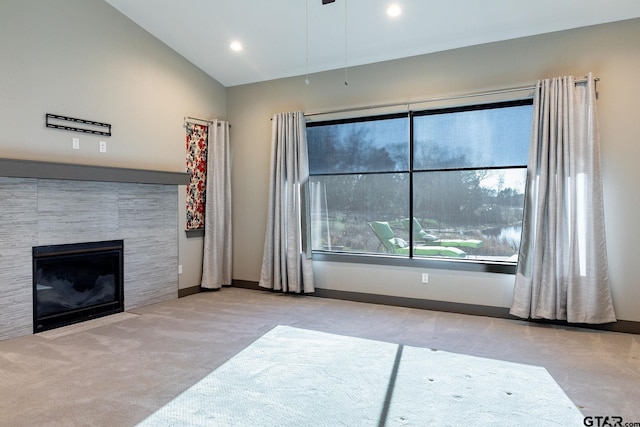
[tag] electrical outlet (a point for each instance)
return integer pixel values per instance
(76, 143)
(425, 277)
(103, 146)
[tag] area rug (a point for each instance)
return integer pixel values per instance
(297, 377)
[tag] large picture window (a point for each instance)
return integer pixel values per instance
(442, 183)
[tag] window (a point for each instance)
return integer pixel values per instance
(438, 184)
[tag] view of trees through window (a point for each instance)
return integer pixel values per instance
(455, 177)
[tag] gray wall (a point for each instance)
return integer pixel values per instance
(610, 51)
(82, 58)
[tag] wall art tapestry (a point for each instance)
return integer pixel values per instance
(197, 136)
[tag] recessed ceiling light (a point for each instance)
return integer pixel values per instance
(394, 10)
(236, 46)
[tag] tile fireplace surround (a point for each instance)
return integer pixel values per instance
(53, 203)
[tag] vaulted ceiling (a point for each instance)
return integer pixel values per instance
(283, 38)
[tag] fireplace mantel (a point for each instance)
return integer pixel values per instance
(14, 168)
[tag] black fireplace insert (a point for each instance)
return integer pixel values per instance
(76, 282)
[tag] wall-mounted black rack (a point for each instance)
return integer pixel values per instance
(96, 128)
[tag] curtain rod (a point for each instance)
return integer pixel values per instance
(201, 120)
(444, 98)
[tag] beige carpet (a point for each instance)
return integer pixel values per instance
(298, 377)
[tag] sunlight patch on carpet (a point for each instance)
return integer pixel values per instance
(298, 377)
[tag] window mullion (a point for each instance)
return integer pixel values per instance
(411, 242)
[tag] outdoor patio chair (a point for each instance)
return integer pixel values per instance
(397, 245)
(419, 234)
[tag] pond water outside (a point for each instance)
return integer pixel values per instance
(509, 235)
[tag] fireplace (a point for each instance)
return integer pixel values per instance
(76, 282)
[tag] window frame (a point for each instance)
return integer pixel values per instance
(473, 265)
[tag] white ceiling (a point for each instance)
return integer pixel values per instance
(274, 32)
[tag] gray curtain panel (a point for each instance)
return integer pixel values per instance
(217, 258)
(562, 270)
(286, 261)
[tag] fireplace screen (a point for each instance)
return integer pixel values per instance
(77, 282)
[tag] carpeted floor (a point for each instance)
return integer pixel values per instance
(293, 377)
(118, 372)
